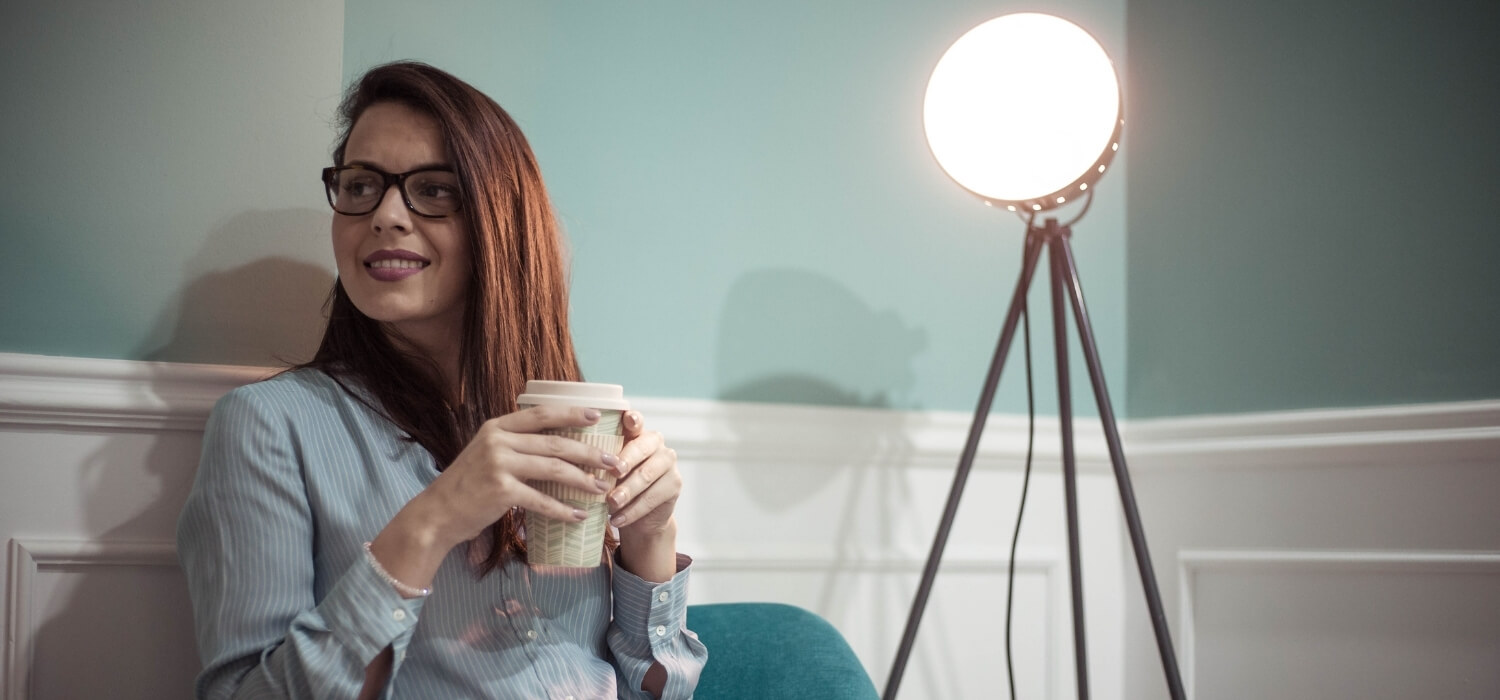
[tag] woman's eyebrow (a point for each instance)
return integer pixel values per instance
(420, 166)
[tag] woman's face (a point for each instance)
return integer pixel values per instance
(408, 271)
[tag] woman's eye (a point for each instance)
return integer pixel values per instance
(358, 188)
(433, 190)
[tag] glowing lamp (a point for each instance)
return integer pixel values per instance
(1024, 111)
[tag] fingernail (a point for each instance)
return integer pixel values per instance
(602, 485)
(618, 499)
(579, 515)
(591, 414)
(616, 520)
(609, 460)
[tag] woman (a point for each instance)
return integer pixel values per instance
(333, 498)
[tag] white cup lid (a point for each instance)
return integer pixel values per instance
(550, 393)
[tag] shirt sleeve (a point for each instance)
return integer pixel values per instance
(245, 541)
(650, 627)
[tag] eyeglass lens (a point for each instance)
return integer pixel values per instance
(356, 191)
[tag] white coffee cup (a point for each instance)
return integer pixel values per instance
(568, 543)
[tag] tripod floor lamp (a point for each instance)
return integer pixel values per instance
(1024, 111)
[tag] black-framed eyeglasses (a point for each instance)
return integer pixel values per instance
(356, 190)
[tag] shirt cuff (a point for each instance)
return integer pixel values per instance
(654, 612)
(367, 614)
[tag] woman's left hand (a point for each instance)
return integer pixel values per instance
(642, 502)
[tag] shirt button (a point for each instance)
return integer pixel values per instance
(661, 630)
(663, 597)
(531, 634)
(398, 614)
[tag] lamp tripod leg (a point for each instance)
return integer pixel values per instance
(1056, 240)
(1032, 252)
(1061, 256)
(1064, 280)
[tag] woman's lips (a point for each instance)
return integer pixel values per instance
(394, 265)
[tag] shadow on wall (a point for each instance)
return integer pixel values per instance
(268, 312)
(130, 626)
(796, 337)
(793, 336)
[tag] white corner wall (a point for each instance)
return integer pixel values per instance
(1324, 554)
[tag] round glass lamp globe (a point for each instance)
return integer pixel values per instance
(1024, 109)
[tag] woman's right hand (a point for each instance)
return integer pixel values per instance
(486, 480)
(489, 476)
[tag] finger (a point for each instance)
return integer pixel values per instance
(552, 469)
(662, 493)
(662, 462)
(539, 418)
(633, 423)
(564, 448)
(638, 449)
(540, 503)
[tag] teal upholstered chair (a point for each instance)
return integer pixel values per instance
(770, 651)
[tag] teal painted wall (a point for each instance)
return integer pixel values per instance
(752, 208)
(1311, 204)
(159, 190)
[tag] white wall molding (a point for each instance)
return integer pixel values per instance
(1417, 434)
(122, 394)
(31, 555)
(968, 560)
(73, 392)
(1191, 563)
(26, 558)
(76, 392)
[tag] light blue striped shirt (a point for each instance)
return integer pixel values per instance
(295, 476)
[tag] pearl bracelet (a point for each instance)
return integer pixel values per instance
(403, 589)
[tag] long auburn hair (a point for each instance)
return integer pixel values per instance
(516, 308)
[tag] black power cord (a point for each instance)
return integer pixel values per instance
(1010, 570)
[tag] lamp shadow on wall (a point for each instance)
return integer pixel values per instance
(791, 336)
(266, 312)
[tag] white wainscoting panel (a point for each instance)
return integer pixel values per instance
(960, 652)
(832, 509)
(103, 613)
(1367, 624)
(1326, 554)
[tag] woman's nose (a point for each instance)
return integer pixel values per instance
(392, 213)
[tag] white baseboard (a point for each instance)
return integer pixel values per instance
(128, 395)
